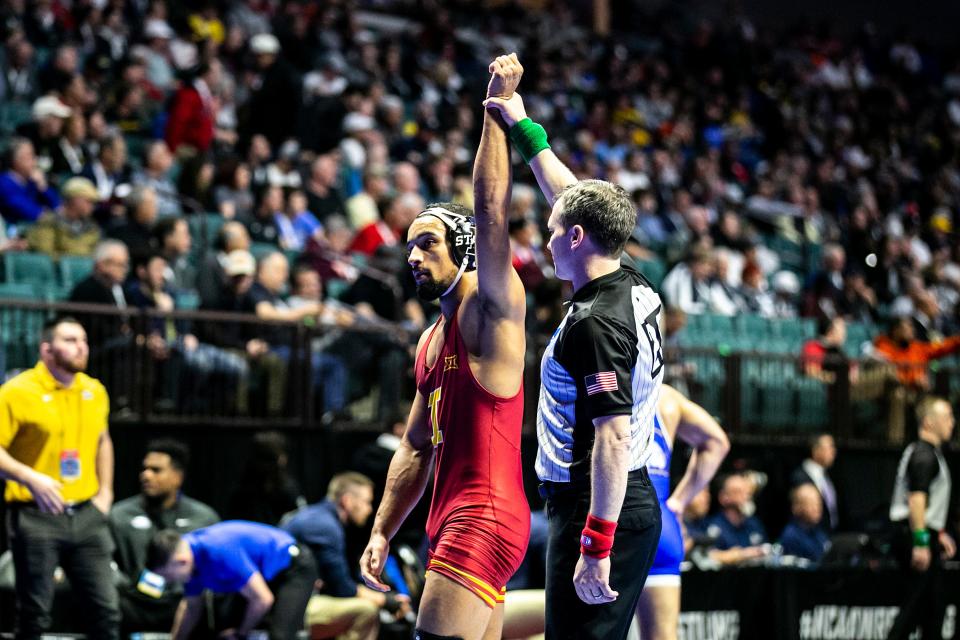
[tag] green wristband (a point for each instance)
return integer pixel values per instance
(921, 538)
(529, 139)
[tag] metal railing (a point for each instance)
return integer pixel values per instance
(154, 376)
(199, 367)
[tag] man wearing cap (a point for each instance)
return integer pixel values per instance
(49, 115)
(24, 192)
(239, 267)
(57, 458)
(72, 232)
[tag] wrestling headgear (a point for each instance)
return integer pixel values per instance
(461, 238)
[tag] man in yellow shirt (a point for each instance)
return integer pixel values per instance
(57, 457)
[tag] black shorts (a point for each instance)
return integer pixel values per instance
(634, 547)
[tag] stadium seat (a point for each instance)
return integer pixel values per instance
(204, 228)
(73, 269)
(17, 291)
(261, 249)
(32, 268)
(12, 115)
(653, 269)
(187, 300)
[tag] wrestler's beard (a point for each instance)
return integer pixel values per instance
(430, 290)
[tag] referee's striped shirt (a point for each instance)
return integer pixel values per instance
(604, 359)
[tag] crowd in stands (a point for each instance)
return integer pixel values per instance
(752, 155)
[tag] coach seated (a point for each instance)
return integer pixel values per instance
(803, 536)
(738, 536)
(134, 521)
(344, 606)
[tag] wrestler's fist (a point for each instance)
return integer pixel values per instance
(505, 74)
(373, 560)
(511, 110)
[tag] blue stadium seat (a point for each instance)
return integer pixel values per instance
(204, 228)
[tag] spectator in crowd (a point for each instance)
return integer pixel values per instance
(296, 225)
(149, 290)
(173, 240)
(786, 286)
(71, 232)
(275, 104)
(49, 116)
(815, 471)
(239, 339)
(134, 521)
(262, 225)
(193, 111)
(70, 154)
(273, 574)
(111, 262)
(265, 489)
(363, 208)
(734, 528)
(398, 213)
(825, 293)
(25, 194)
(232, 195)
(823, 358)
(329, 372)
(59, 490)
(344, 606)
(282, 172)
(18, 81)
(323, 196)
(687, 286)
(910, 356)
(156, 174)
(804, 536)
(136, 230)
(109, 169)
(755, 296)
(918, 510)
(212, 278)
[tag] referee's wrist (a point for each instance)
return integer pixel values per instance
(921, 538)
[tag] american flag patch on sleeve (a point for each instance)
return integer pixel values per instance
(600, 382)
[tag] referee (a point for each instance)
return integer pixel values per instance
(57, 457)
(918, 510)
(600, 380)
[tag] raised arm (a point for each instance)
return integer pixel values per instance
(492, 180)
(697, 428)
(530, 140)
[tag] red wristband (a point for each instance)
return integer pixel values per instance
(596, 540)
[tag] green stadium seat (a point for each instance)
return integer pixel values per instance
(32, 268)
(261, 249)
(73, 269)
(752, 325)
(17, 291)
(187, 300)
(12, 115)
(204, 228)
(335, 287)
(654, 270)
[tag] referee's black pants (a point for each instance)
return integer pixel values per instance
(924, 602)
(634, 547)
